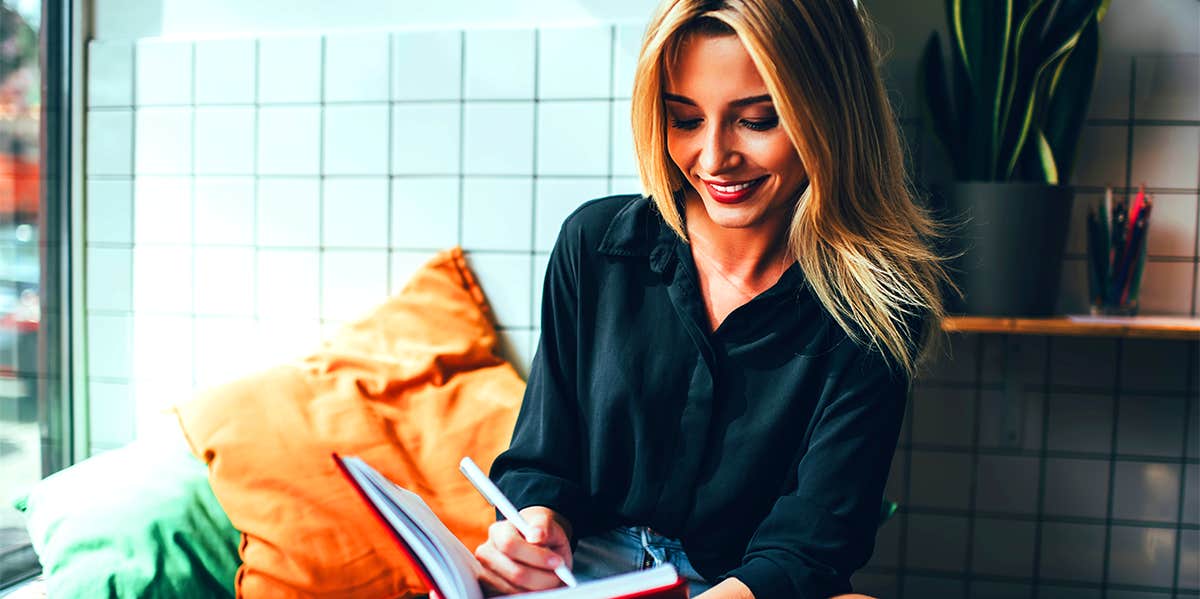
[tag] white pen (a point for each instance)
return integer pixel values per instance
(494, 496)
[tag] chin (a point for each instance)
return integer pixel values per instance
(736, 216)
(743, 215)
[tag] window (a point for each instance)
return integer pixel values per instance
(34, 289)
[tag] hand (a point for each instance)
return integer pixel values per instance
(512, 564)
(732, 588)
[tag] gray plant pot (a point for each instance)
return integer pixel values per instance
(1011, 237)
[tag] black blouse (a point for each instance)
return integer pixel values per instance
(763, 446)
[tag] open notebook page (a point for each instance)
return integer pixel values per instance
(452, 566)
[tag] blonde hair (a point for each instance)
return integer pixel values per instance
(857, 232)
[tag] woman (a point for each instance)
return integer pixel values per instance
(724, 364)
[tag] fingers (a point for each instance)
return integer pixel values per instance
(544, 523)
(552, 531)
(505, 538)
(492, 584)
(508, 575)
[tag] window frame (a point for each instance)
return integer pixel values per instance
(62, 425)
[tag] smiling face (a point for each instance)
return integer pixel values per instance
(725, 137)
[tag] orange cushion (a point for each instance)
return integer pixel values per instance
(411, 388)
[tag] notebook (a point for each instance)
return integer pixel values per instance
(451, 570)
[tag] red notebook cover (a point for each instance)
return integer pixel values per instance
(422, 571)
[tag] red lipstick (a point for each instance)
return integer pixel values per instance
(732, 192)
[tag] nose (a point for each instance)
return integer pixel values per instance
(718, 153)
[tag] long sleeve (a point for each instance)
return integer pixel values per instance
(815, 537)
(543, 465)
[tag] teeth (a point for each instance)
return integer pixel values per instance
(731, 188)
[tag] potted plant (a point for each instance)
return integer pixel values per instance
(1009, 115)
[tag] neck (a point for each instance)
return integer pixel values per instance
(749, 253)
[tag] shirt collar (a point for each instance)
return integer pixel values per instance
(639, 230)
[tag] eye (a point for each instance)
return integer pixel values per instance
(760, 124)
(685, 124)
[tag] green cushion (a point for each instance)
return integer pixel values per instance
(140, 521)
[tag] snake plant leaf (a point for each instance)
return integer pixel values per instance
(983, 30)
(1021, 86)
(998, 84)
(958, 34)
(1066, 26)
(970, 164)
(1059, 37)
(937, 107)
(1031, 124)
(1068, 19)
(1046, 160)
(1021, 72)
(1069, 96)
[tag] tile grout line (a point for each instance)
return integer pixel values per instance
(391, 138)
(321, 287)
(612, 105)
(1115, 393)
(256, 288)
(1129, 127)
(1179, 512)
(192, 244)
(1026, 517)
(1196, 249)
(1150, 258)
(1039, 528)
(973, 488)
(1010, 579)
(462, 128)
(130, 399)
(1116, 389)
(533, 188)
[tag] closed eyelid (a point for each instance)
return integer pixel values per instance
(757, 113)
(739, 103)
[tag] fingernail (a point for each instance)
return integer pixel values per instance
(553, 562)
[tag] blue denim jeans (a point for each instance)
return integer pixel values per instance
(628, 548)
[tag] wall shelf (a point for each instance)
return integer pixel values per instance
(1145, 327)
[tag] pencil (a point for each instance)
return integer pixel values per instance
(1095, 260)
(1135, 285)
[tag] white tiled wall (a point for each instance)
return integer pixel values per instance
(246, 196)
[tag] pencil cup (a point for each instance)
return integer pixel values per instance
(1116, 238)
(1129, 308)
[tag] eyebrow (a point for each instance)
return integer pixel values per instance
(736, 103)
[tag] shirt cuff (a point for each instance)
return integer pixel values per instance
(764, 579)
(525, 489)
(768, 580)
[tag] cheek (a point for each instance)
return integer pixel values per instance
(780, 157)
(680, 151)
